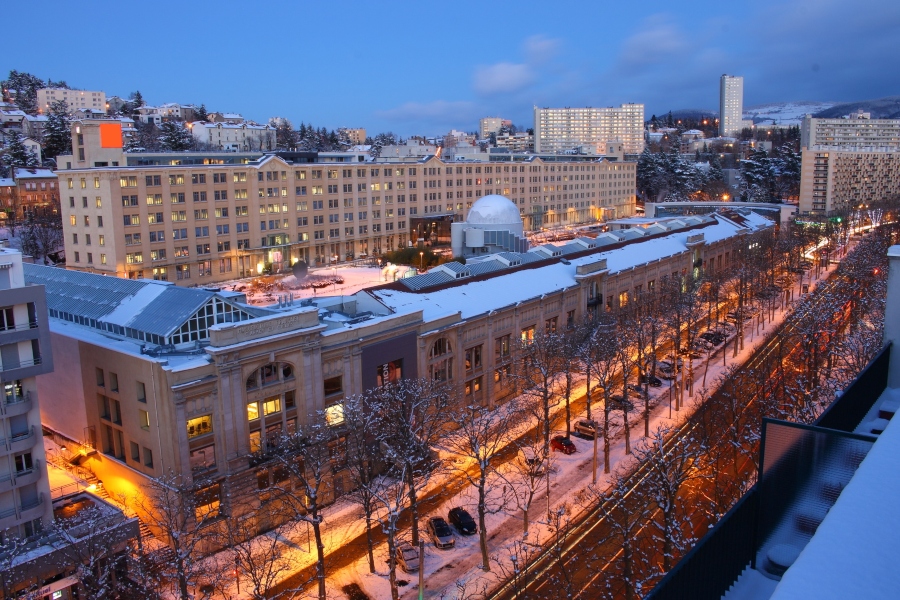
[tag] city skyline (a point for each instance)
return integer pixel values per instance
(432, 68)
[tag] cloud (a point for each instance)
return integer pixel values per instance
(437, 110)
(539, 49)
(658, 41)
(502, 78)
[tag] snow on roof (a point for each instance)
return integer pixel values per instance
(6, 182)
(854, 551)
(506, 288)
(34, 174)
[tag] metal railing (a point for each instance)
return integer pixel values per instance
(22, 363)
(19, 327)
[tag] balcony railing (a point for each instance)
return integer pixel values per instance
(19, 326)
(22, 364)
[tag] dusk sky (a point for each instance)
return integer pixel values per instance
(427, 67)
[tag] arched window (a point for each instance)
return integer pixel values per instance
(269, 374)
(440, 347)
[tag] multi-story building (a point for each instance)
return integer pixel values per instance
(516, 142)
(196, 383)
(856, 131)
(30, 191)
(74, 98)
(243, 137)
(837, 180)
(848, 162)
(356, 135)
(731, 105)
(588, 130)
(24, 355)
(489, 125)
(207, 218)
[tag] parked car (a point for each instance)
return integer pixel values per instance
(440, 533)
(407, 557)
(653, 380)
(562, 444)
(692, 352)
(462, 520)
(586, 429)
(712, 337)
(723, 327)
(536, 465)
(665, 369)
(733, 316)
(635, 390)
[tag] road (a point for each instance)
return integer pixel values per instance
(586, 559)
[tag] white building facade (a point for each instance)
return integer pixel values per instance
(731, 105)
(74, 98)
(588, 130)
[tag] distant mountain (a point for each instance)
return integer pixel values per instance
(785, 113)
(880, 108)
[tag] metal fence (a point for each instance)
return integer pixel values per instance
(707, 571)
(848, 411)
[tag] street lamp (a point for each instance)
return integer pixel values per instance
(422, 261)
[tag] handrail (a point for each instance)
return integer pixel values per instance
(19, 326)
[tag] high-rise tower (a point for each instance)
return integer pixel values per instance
(731, 105)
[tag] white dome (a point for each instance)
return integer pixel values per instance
(494, 210)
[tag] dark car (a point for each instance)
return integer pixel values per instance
(653, 380)
(462, 520)
(562, 444)
(713, 338)
(440, 533)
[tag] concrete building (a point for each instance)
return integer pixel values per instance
(200, 218)
(235, 138)
(856, 131)
(162, 379)
(74, 98)
(588, 130)
(837, 180)
(24, 355)
(731, 105)
(848, 162)
(489, 125)
(357, 135)
(517, 142)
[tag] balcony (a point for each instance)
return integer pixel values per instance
(22, 441)
(16, 405)
(33, 509)
(29, 475)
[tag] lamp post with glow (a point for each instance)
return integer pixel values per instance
(422, 261)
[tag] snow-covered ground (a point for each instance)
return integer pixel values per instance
(784, 113)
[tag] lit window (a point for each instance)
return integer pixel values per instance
(272, 405)
(253, 411)
(334, 414)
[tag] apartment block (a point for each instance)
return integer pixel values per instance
(489, 125)
(856, 131)
(204, 218)
(836, 180)
(588, 130)
(74, 98)
(731, 105)
(25, 354)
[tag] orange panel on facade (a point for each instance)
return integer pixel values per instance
(110, 135)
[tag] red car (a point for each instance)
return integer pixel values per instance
(562, 444)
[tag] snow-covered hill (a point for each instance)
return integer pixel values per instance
(784, 113)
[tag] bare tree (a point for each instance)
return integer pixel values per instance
(364, 462)
(482, 437)
(415, 415)
(669, 459)
(183, 515)
(313, 457)
(539, 376)
(260, 557)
